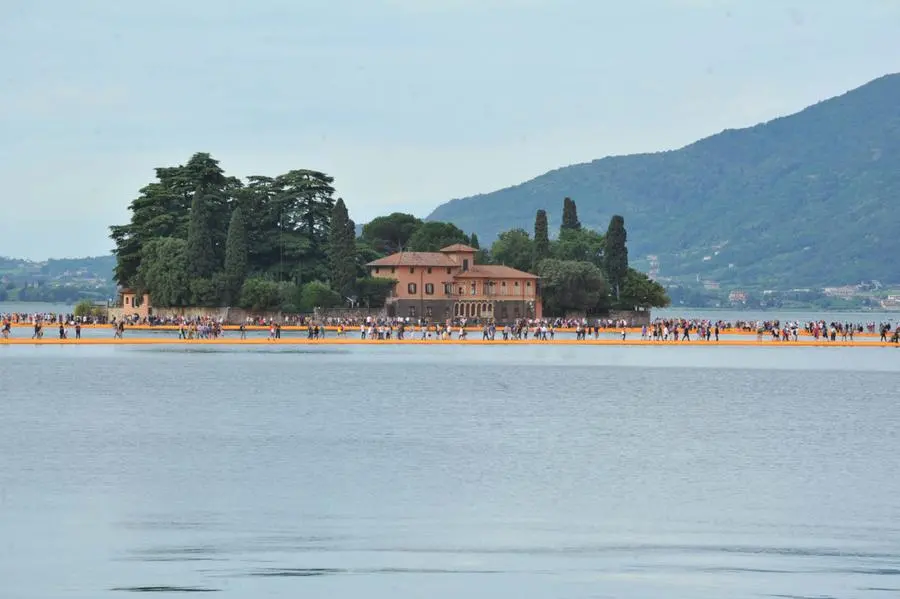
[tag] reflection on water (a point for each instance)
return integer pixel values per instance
(450, 471)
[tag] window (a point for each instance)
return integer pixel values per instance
(528, 284)
(448, 288)
(474, 288)
(378, 270)
(461, 291)
(517, 283)
(428, 311)
(393, 269)
(504, 311)
(449, 270)
(516, 311)
(411, 288)
(465, 264)
(429, 289)
(447, 312)
(412, 269)
(429, 270)
(412, 311)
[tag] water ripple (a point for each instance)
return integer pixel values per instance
(165, 589)
(303, 572)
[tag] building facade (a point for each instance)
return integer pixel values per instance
(130, 304)
(449, 284)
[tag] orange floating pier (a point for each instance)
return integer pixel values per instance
(436, 342)
(355, 329)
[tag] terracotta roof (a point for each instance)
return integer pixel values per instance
(493, 271)
(458, 247)
(414, 259)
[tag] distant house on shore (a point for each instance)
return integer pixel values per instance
(447, 284)
(130, 303)
(737, 296)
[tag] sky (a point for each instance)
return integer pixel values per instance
(406, 103)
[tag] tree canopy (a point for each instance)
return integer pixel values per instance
(514, 249)
(570, 220)
(391, 233)
(541, 237)
(198, 237)
(571, 286)
(432, 236)
(616, 254)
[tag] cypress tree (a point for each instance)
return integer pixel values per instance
(569, 216)
(541, 238)
(473, 241)
(616, 255)
(236, 257)
(342, 250)
(201, 245)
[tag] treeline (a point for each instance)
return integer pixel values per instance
(581, 270)
(39, 292)
(198, 237)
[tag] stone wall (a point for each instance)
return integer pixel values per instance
(635, 318)
(239, 315)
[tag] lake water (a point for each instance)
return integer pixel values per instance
(390, 472)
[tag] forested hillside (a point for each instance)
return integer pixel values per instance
(808, 199)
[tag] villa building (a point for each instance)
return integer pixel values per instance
(130, 303)
(447, 284)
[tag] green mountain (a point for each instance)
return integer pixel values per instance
(804, 200)
(57, 280)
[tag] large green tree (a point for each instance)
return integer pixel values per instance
(583, 245)
(515, 249)
(342, 250)
(201, 246)
(373, 291)
(317, 294)
(163, 210)
(391, 233)
(288, 224)
(261, 294)
(570, 286)
(569, 216)
(616, 255)
(302, 211)
(432, 236)
(164, 270)
(541, 238)
(236, 258)
(641, 292)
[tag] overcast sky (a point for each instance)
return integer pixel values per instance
(407, 103)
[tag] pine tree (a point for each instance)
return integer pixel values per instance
(236, 257)
(569, 216)
(616, 255)
(473, 241)
(201, 247)
(342, 250)
(541, 238)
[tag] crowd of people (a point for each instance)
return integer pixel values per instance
(379, 328)
(49, 318)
